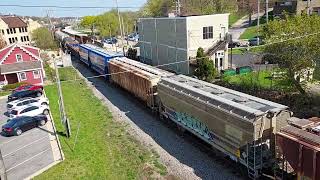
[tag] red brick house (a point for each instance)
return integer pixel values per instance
(21, 63)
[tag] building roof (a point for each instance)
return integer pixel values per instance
(20, 67)
(14, 21)
(101, 51)
(243, 105)
(186, 17)
(32, 51)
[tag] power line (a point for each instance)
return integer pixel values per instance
(69, 7)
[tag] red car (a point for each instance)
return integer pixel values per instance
(29, 87)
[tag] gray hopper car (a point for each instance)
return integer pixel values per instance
(139, 79)
(240, 125)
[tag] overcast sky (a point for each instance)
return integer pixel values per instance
(64, 12)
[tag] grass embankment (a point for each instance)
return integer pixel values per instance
(104, 150)
(262, 79)
(234, 17)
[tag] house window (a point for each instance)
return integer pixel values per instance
(10, 41)
(26, 29)
(27, 38)
(36, 74)
(21, 38)
(14, 30)
(11, 32)
(19, 57)
(8, 32)
(19, 30)
(2, 31)
(23, 76)
(208, 32)
(16, 39)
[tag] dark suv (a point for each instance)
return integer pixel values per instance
(21, 124)
(22, 94)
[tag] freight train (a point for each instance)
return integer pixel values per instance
(241, 126)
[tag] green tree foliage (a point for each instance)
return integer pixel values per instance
(88, 22)
(206, 70)
(295, 45)
(108, 23)
(156, 8)
(43, 38)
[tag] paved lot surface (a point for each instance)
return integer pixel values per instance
(183, 157)
(26, 154)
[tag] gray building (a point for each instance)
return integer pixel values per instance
(296, 7)
(172, 42)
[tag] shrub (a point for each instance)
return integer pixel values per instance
(13, 86)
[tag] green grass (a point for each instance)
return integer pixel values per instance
(104, 149)
(5, 93)
(234, 17)
(250, 32)
(260, 79)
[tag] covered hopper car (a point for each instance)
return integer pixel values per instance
(240, 125)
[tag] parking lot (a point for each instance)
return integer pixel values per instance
(28, 153)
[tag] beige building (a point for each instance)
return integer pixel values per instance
(297, 7)
(173, 41)
(32, 25)
(13, 29)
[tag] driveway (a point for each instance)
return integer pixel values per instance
(28, 153)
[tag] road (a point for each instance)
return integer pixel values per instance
(182, 154)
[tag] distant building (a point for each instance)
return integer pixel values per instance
(296, 7)
(14, 30)
(32, 25)
(175, 41)
(20, 63)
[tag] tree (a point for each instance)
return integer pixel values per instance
(88, 22)
(157, 8)
(3, 43)
(295, 45)
(43, 38)
(205, 70)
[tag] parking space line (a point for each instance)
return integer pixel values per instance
(24, 146)
(28, 159)
(24, 134)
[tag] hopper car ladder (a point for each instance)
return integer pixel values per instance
(254, 158)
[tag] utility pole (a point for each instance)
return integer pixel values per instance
(267, 11)
(120, 26)
(178, 7)
(63, 115)
(258, 22)
(308, 8)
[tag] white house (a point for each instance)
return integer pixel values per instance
(172, 42)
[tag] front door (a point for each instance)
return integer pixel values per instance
(12, 78)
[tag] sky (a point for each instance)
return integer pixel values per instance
(27, 11)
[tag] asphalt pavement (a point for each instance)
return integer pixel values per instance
(26, 154)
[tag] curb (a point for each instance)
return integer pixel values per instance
(59, 146)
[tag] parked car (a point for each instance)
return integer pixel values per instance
(27, 101)
(112, 40)
(254, 41)
(29, 87)
(30, 110)
(21, 124)
(26, 93)
(133, 37)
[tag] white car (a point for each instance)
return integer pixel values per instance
(28, 101)
(31, 110)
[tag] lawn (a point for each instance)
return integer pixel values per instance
(234, 17)
(260, 79)
(250, 32)
(104, 150)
